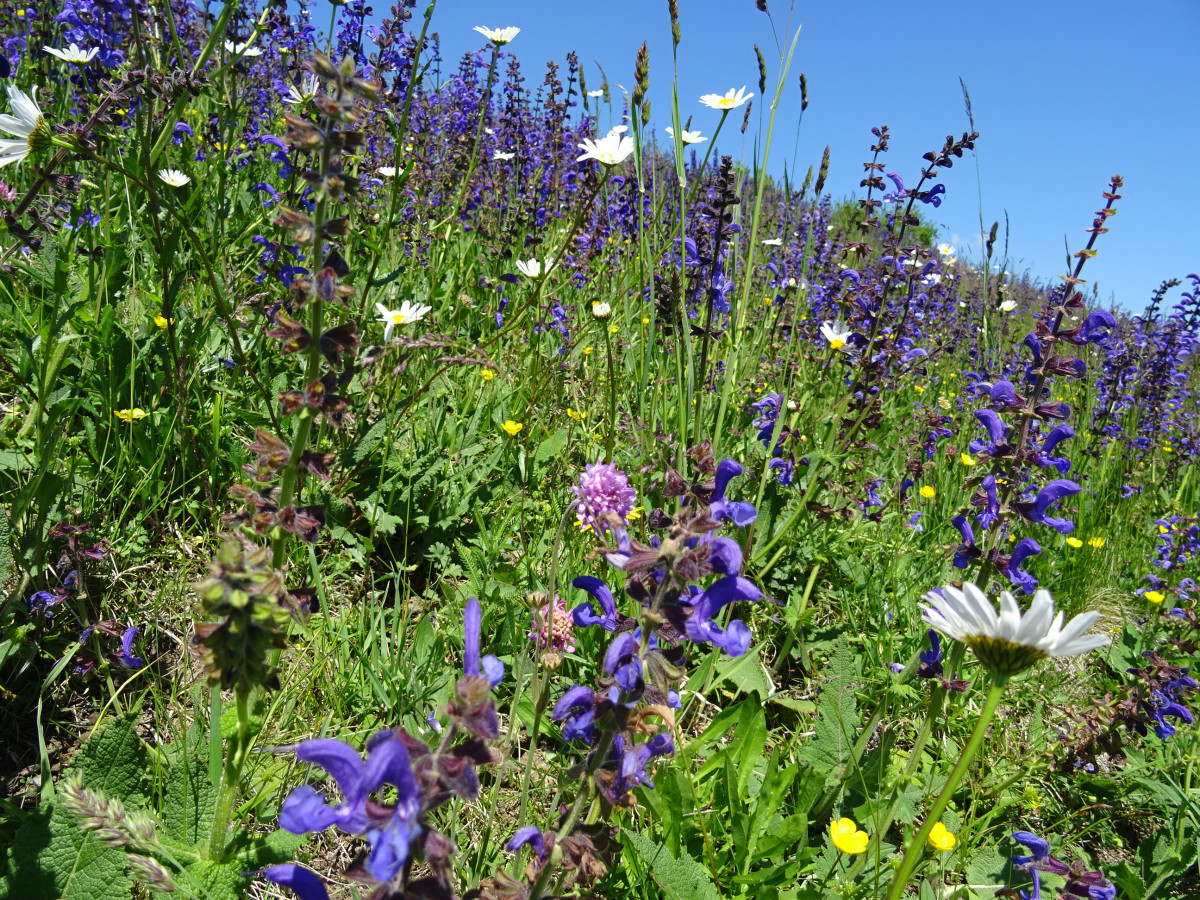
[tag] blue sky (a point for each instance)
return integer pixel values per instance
(1065, 94)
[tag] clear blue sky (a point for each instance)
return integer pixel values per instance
(1065, 94)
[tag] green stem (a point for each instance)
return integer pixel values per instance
(916, 846)
(612, 394)
(231, 778)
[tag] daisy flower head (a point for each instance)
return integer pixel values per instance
(406, 314)
(242, 49)
(600, 309)
(1009, 643)
(594, 94)
(731, 100)
(74, 53)
(837, 334)
(498, 36)
(27, 125)
(386, 171)
(307, 90)
(530, 268)
(688, 137)
(1008, 306)
(173, 177)
(611, 150)
(502, 157)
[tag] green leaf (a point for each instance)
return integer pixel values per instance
(190, 799)
(551, 447)
(837, 715)
(53, 860)
(679, 879)
(115, 763)
(746, 673)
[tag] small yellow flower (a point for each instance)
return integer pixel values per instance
(941, 839)
(512, 427)
(966, 460)
(645, 320)
(587, 351)
(928, 492)
(919, 388)
(487, 374)
(634, 514)
(163, 321)
(576, 414)
(1167, 448)
(847, 837)
(1074, 542)
(1155, 596)
(129, 416)
(614, 329)
(1096, 542)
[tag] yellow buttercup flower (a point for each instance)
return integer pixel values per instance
(129, 416)
(163, 321)
(587, 351)
(1096, 542)
(614, 329)
(1155, 596)
(645, 320)
(966, 460)
(487, 374)
(575, 414)
(928, 491)
(512, 427)
(919, 388)
(847, 837)
(1074, 542)
(941, 839)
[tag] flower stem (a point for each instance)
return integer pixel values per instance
(231, 777)
(612, 396)
(917, 845)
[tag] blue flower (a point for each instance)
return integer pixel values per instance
(584, 614)
(125, 659)
(991, 510)
(740, 513)
(1057, 435)
(303, 881)
(389, 830)
(997, 433)
(1054, 491)
(966, 552)
(734, 639)
(1025, 548)
(493, 669)
(577, 711)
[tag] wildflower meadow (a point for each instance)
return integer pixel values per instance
(428, 478)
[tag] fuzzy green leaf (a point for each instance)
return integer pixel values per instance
(52, 859)
(679, 879)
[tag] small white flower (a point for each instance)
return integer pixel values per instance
(405, 315)
(28, 126)
(595, 93)
(74, 53)
(731, 100)
(309, 85)
(386, 171)
(837, 334)
(1009, 643)
(611, 150)
(1008, 306)
(173, 177)
(689, 137)
(945, 249)
(498, 36)
(773, 242)
(242, 49)
(600, 309)
(932, 278)
(530, 268)
(503, 157)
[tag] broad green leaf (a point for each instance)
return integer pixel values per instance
(52, 859)
(679, 879)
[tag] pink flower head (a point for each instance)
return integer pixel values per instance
(603, 489)
(554, 628)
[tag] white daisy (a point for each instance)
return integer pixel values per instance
(386, 171)
(731, 100)
(530, 268)
(173, 177)
(407, 314)
(689, 137)
(1009, 643)
(498, 36)
(611, 150)
(600, 309)
(773, 242)
(1008, 306)
(945, 249)
(73, 53)
(242, 49)
(502, 157)
(309, 85)
(28, 127)
(596, 93)
(836, 333)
